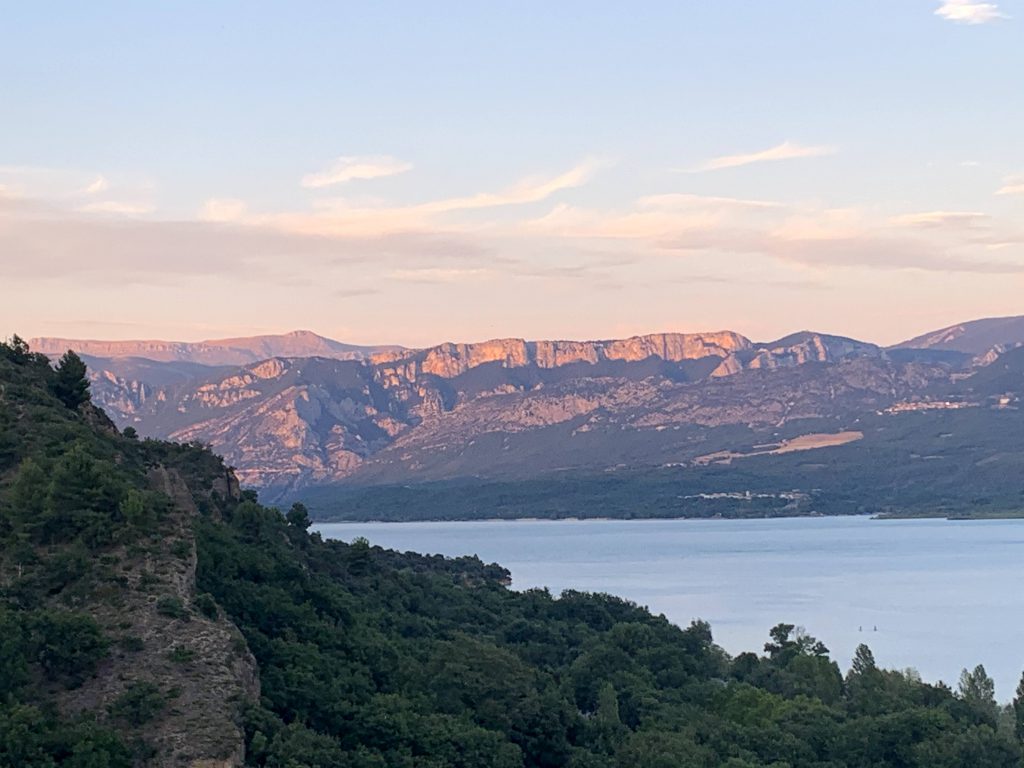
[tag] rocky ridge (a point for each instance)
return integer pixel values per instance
(236, 351)
(501, 405)
(200, 664)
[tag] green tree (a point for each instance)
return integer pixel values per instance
(978, 690)
(70, 384)
(1018, 711)
(80, 498)
(135, 511)
(608, 728)
(28, 493)
(863, 661)
(69, 645)
(16, 350)
(298, 516)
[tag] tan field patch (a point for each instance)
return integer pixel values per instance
(801, 443)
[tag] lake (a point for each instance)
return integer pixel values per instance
(935, 595)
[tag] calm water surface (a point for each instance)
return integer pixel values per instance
(943, 595)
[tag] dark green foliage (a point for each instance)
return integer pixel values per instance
(132, 643)
(70, 384)
(32, 738)
(181, 549)
(372, 658)
(978, 691)
(67, 645)
(140, 703)
(171, 606)
(181, 655)
(206, 605)
(298, 516)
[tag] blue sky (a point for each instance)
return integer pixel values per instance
(416, 172)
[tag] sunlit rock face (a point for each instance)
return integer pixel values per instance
(464, 409)
(450, 360)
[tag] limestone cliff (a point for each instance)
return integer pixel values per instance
(285, 423)
(451, 360)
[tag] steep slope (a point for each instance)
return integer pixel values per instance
(502, 406)
(609, 423)
(237, 351)
(98, 589)
(450, 360)
(976, 337)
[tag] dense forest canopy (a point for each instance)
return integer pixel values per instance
(377, 659)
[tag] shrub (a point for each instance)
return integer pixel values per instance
(132, 643)
(140, 703)
(68, 645)
(171, 606)
(206, 605)
(180, 654)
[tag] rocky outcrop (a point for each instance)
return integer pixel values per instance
(196, 665)
(285, 423)
(450, 360)
(807, 347)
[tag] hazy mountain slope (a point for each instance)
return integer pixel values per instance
(614, 422)
(509, 406)
(975, 337)
(514, 408)
(238, 351)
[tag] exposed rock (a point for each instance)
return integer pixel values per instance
(213, 675)
(288, 422)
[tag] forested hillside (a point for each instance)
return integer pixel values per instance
(152, 614)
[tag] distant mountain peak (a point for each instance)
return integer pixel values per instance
(976, 337)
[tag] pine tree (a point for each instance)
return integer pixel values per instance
(1018, 710)
(979, 690)
(70, 384)
(863, 661)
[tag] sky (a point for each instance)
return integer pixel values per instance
(415, 173)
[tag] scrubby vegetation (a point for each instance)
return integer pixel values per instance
(369, 658)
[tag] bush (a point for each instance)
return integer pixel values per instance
(180, 654)
(140, 703)
(132, 643)
(206, 605)
(181, 549)
(68, 645)
(171, 606)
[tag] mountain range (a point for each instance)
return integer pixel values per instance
(300, 413)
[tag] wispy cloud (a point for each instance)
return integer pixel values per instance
(223, 210)
(352, 168)
(440, 275)
(340, 218)
(1012, 185)
(787, 150)
(969, 12)
(354, 293)
(677, 200)
(117, 208)
(936, 219)
(99, 184)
